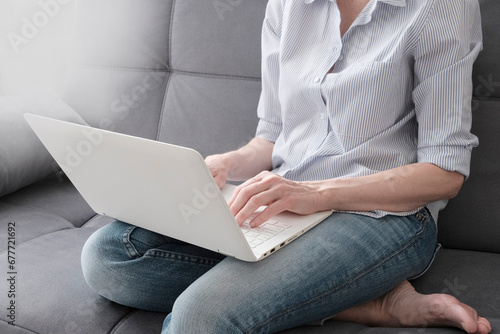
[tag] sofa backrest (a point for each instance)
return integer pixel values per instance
(472, 219)
(188, 72)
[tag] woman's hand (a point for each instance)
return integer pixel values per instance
(243, 163)
(275, 192)
(219, 168)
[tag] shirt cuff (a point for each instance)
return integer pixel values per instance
(267, 130)
(450, 158)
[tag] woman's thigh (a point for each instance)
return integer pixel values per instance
(346, 260)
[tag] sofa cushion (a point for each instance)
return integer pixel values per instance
(119, 75)
(53, 296)
(140, 322)
(23, 159)
(47, 206)
(221, 118)
(200, 42)
(486, 75)
(121, 100)
(26, 227)
(54, 195)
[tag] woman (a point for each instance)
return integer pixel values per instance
(365, 110)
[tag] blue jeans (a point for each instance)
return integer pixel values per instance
(346, 260)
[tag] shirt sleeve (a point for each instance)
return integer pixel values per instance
(269, 109)
(447, 48)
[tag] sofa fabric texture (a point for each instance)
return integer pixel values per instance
(188, 72)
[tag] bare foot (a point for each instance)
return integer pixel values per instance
(405, 307)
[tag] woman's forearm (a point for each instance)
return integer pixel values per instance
(397, 190)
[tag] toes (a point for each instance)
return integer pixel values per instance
(447, 310)
(472, 322)
(468, 317)
(483, 326)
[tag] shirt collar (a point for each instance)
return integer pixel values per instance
(398, 3)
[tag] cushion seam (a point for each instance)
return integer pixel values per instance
(172, 10)
(90, 220)
(29, 241)
(120, 68)
(19, 326)
(169, 79)
(172, 71)
(122, 321)
(14, 204)
(212, 75)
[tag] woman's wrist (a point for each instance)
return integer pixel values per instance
(324, 194)
(230, 162)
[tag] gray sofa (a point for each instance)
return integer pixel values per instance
(188, 72)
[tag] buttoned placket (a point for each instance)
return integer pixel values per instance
(321, 117)
(336, 57)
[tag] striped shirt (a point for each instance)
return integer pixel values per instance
(400, 91)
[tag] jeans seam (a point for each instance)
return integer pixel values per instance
(134, 254)
(199, 260)
(129, 247)
(436, 250)
(348, 282)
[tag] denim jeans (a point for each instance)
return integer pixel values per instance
(346, 260)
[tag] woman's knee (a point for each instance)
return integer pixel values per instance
(127, 265)
(102, 255)
(202, 311)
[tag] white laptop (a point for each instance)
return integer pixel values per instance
(164, 188)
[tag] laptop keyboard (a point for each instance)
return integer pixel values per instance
(257, 235)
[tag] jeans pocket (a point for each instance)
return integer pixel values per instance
(426, 219)
(137, 241)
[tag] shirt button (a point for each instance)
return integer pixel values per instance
(322, 115)
(317, 79)
(341, 57)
